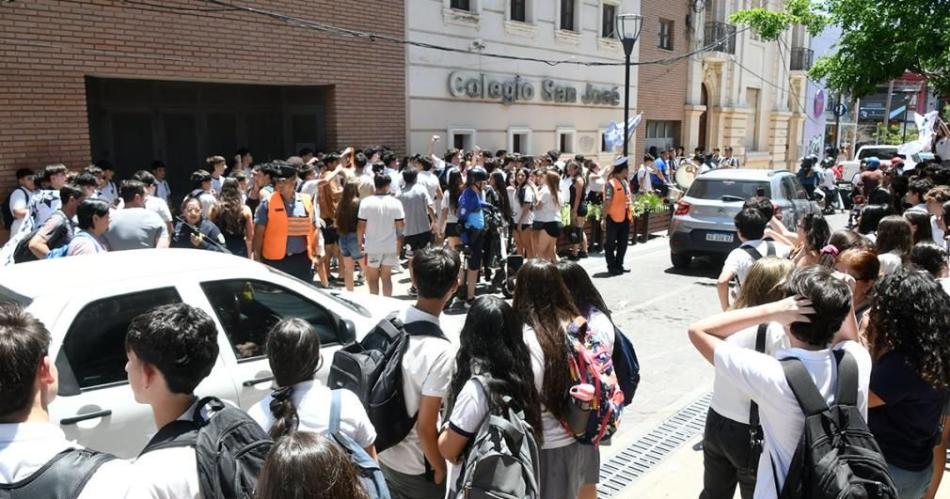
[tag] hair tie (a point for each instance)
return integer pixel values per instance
(283, 393)
(830, 249)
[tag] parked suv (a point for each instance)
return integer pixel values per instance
(703, 220)
(87, 303)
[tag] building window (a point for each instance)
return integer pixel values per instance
(569, 15)
(609, 23)
(666, 34)
(519, 140)
(604, 148)
(752, 122)
(519, 10)
(462, 139)
(461, 5)
(565, 140)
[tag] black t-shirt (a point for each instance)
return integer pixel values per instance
(908, 423)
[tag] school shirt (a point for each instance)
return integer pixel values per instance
(416, 201)
(739, 261)
(108, 193)
(380, 212)
(428, 179)
(890, 262)
(88, 244)
(207, 200)
(645, 178)
(555, 435)
(427, 368)
(19, 200)
(43, 204)
(451, 216)
(548, 209)
(160, 207)
(312, 400)
(135, 228)
(761, 377)
(27, 447)
(216, 183)
(470, 410)
(162, 190)
(727, 400)
(527, 206)
(170, 473)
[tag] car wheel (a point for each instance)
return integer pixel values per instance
(680, 260)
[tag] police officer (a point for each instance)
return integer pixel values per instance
(285, 225)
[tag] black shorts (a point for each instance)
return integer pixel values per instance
(476, 247)
(330, 234)
(452, 229)
(582, 210)
(419, 241)
(552, 228)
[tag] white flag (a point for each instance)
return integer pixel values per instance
(613, 136)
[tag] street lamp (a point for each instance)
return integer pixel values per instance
(628, 30)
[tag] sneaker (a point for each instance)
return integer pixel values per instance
(397, 269)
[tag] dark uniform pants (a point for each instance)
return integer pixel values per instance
(615, 248)
(298, 265)
(728, 459)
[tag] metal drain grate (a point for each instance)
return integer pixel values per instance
(636, 460)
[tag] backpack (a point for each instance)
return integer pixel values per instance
(756, 437)
(61, 251)
(58, 238)
(591, 364)
(8, 217)
(502, 460)
(626, 365)
(372, 369)
(63, 477)
(230, 448)
(370, 474)
(837, 455)
(756, 256)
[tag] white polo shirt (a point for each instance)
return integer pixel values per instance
(167, 473)
(740, 261)
(727, 400)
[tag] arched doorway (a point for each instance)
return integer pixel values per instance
(704, 101)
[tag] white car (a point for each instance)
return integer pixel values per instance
(87, 303)
(882, 152)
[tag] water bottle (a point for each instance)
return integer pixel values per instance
(578, 412)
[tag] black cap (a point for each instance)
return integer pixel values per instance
(279, 169)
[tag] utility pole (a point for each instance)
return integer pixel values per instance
(837, 140)
(887, 109)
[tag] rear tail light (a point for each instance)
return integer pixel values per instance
(682, 208)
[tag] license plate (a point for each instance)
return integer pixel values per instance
(719, 238)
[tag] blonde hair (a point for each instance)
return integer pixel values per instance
(764, 282)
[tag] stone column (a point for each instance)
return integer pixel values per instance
(691, 130)
(781, 143)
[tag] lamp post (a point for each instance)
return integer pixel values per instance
(628, 30)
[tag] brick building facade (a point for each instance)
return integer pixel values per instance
(179, 80)
(662, 87)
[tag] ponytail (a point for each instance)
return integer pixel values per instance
(293, 352)
(282, 407)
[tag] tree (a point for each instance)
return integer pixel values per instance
(881, 39)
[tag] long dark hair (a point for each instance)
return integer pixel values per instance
(229, 213)
(497, 182)
(582, 289)
(293, 351)
(893, 233)
(920, 220)
(492, 344)
(544, 303)
(910, 315)
(871, 216)
(346, 213)
(305, 465)
(455, 188)
(817, 231)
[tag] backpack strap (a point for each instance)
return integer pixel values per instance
(182, 432)
(62, 477)
(809, 399)
(423, 328)
(334, 425)
(771, 248)
(754, 253)
(847, 390)
(753, 407)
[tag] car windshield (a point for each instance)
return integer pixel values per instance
(729, 190)
(333, 295)
(880, 152)
(9, 296)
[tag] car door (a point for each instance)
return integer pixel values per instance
(95, 405)
(246, 309)
(804, 205)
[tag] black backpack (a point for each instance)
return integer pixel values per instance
(756, 256)
(372, 369)
(63, 477)
(8, 217)
(837, 455)
(230, 448)
(626, 365)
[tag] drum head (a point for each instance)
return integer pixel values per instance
(685, 175)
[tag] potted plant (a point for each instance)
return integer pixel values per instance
(650, 214)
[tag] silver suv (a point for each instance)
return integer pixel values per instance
(703, 221)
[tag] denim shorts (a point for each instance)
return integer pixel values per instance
(349, 246)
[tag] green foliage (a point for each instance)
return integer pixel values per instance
(891, 135)
(648, 203)
(880, 40)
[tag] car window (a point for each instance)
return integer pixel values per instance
(717, 188)
(880, 153)
(93, 352)
(248, 309)
(9, 296)
(788, 189)
(800, 191)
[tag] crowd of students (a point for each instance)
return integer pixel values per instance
(881, 293)
(522, 349)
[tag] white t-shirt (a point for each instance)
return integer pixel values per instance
(555, 435)
(19, 200)
(312, 400)
(516, 208)
(170, 473)
(645, 180)
(311, 188)
(162, 190)
(596, 183)
(429, 180)
(27, 447)
(548, 210)
(109, 193)
(159, 206)
(827, 178)
(380, 212)
(762, 378)
(427, 368)
(739, 261)
(945, 284)
(890, 262)
(564, 188)
(727, 400)
(471, 407)
(451, 216)
(216, 183)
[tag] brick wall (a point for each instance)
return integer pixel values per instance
(662, 88)
(47, 47)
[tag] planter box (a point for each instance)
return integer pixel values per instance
(650, 223)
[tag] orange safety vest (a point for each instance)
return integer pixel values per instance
(279, 227)
(619, 202)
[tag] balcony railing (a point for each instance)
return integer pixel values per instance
(723, 35)
(801, 59)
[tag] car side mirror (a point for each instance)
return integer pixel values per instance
(347, 332)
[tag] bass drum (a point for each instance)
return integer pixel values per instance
(686, 174)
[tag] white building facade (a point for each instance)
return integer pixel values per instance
(471, 99)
